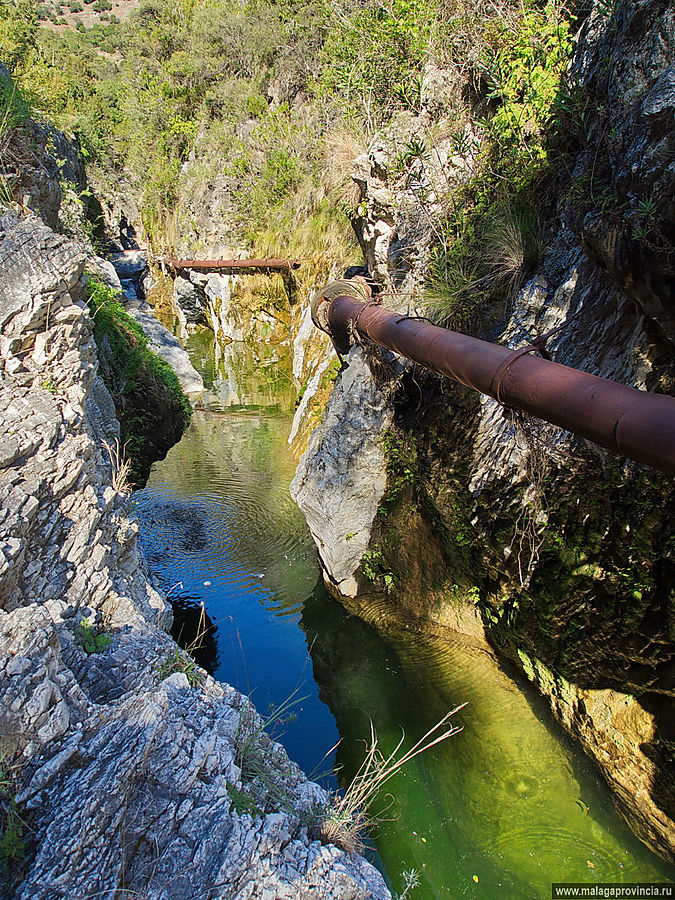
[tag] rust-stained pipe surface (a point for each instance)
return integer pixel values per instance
(634, 423)
(283, 264)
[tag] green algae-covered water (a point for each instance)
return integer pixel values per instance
(502, 809)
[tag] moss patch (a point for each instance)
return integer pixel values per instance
(150, 403)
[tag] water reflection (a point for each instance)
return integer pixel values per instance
(216, 517)
(242, 374)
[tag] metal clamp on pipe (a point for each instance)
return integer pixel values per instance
(357, 288)
(634, 423)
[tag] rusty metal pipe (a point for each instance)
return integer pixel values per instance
(634, 423)
(283, 264)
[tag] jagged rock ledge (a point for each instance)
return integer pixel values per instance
(128, 781)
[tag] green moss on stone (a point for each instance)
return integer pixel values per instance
(150, 403)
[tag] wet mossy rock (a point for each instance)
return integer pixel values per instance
(152, 409)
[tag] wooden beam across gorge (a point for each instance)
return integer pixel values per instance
(216, 265)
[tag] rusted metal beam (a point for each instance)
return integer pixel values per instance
(634, 423)
(285, 265)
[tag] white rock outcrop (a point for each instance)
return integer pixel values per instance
(342, 475)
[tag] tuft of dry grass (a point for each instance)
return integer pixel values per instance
(120, 466)
(349, 816)
(512, 248)
(342, 146)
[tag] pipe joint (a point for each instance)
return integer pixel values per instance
(322, 302)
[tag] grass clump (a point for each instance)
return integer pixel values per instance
(482, 255)
(120, 466)
(179, 661)
(242, 803)
(254, 735)
(90, 639)
(349, 815)
(14, 113)
(269, 780)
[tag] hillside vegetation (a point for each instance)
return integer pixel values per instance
(275, 99)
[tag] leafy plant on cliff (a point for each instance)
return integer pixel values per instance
(12, 847)
(524, 71)
(142, 384)
(491, 236)
(373, 567)
(90, 639)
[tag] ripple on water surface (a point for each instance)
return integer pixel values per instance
(508, 800)
(218, 526)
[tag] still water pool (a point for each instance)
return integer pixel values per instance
(502, 809)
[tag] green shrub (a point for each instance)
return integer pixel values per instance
(18, 29)
(524, 71)
(372, 54)
(492, 238)
(89, 639)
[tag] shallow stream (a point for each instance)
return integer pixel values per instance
(502, 809)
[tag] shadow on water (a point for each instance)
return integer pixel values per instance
(194, 629)
(508, 801)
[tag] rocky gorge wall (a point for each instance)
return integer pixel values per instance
(471, 519)
(257, 315)
(129, 764)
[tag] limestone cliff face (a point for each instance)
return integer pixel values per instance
(51, 182)
(129, 780)
(342, 475)
(492, 524)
